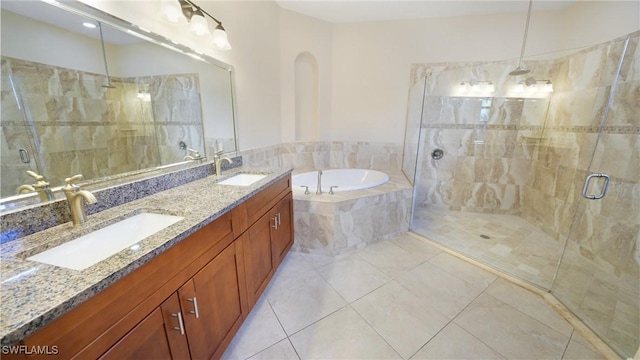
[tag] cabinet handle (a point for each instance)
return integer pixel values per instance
(275, 222)
(195, 306)
(278, 218)
(181, 327)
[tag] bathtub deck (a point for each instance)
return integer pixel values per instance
(346, 221)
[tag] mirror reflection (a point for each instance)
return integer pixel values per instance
(80, 96)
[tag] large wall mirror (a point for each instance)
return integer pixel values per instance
(86, 93)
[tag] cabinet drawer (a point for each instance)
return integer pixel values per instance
(251, 210)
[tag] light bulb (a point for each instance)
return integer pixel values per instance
(548, 87)
(171, 10)
(491, 87)
(475, 87)
(199, 24)
(463, 87)
(219, 38)
(519, 87)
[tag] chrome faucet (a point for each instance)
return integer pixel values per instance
(319, 189)
(74, 199)
(41, 187)
(218, 160)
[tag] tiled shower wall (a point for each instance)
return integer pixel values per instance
(487, 154)
(72, 124)
(524, 156)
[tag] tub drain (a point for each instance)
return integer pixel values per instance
(485, 236)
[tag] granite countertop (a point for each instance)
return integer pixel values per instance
(33, 294)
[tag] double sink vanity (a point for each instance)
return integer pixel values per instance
(170, 275)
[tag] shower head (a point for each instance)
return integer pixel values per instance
(520, 70)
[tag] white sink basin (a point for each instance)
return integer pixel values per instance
(96, 246)
(242, 179)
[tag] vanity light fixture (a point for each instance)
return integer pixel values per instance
(477, 86)
(535, 85)
(177, 10)
(89, 25)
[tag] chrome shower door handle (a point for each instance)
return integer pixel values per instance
(24, 155)
(587, 182)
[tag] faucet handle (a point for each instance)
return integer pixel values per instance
(41, 183)
(35, 175)
(71, 181)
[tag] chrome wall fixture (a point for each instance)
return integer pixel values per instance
(176, 11)
(475, 85)
(535, 85)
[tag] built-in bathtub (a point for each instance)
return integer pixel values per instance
(340, 179)
(333, 224)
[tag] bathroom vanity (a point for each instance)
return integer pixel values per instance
(183, 293)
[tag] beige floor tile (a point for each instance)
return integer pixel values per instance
(530, 304)
(453, 342)
(299, 301)
(416, 246)
(401, 318)
(463, 270)
(514, 245)
(282, 350)
(390, 258)
(260, 330)
(353, 277)
(342, 335)
(292, 265)
(577, 351)
(317, 260)
(509, 331)
(445, 292)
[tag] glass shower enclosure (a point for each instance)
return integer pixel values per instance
(538, 175)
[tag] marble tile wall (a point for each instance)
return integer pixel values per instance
(75, 125)
(327, 154)
(487, 154)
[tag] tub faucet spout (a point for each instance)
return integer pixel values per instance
(319, 189)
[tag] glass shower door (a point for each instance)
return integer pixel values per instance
(598, 277)
(18, 148)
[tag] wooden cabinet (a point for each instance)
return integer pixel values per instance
(265, 244)
(211, 305)
(159, 336)
(189, 301)
(282, 232)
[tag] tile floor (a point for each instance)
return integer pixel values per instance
(513, 244)
(400, 299)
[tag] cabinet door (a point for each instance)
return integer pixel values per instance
(258, 259)
(147, 340)
(211, 304)
(174, 327)
(282, 232)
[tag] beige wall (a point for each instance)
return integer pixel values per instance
(364, 67)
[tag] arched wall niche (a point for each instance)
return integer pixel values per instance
(306, 97)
